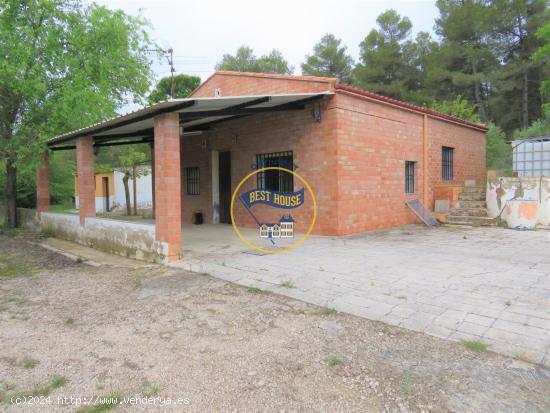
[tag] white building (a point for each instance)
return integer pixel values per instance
(284, 229)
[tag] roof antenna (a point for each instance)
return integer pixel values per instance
(169, 55)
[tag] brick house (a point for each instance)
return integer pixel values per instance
(363, 154)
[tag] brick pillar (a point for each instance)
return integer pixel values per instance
(85, 177)
(43, 185)
(167, 183)
(152, 145)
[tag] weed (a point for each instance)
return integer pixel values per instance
(13, 317)
(47, 233)
(103, 404)
(43, 389)
(29, 363)
(137, 282)
(79, 260)
(287, 284)
(402, 296)
(98, 385)
(15, 298)
(329, 310)
(11, 269)
(151, 389)
(334, 361)
(255, 290)
(407, 383)
(522, 355)
(70, 321)
(8, 232)
(475, 346)
(25, 317)
(508, 303)
(183, 317)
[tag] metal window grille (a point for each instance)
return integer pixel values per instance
(532, 157)
(409, 177)
(275, 180)
(193, 180)
(447, 163)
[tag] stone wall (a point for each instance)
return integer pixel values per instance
(501, 190)
(129, 239)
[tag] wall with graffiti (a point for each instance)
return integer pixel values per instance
(502, 191)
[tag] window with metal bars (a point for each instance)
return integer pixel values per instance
(447, 163)
(275, 180)
(193, 180)
(409, 177)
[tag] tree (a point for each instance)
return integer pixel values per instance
(383, 67)
(329, 59)
(244, 60)
(64, 65)
(499, 153)
(130, 161)
(517, 81)
(183, 86)
(460, 107)
(543, 55)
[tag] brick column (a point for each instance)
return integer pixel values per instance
(167, 183)
(85, 177)
(43, 185)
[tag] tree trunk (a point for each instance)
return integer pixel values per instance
(525, 101)
(127, 193)
(477, 92)
(135, 188)
(11, 193)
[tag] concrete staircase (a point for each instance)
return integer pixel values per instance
(470, 209)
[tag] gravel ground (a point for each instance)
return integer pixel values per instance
(68, 329)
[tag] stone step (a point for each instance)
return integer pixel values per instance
(466, 220)
(471, 204)
(469, 212)
(471, 196)
(473, 189)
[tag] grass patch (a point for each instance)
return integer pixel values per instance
(402, 296)
(334, 361)
(11, 269)
(522, 355)
(475, 346)
(184, 317)
(287, 284)
(43, 389)
(70, 321)
(29, 363)
(15, 298)
(508, 303)
(407, 383)
(8, 232)
(329, 311)
(24, 317)
(104, 404)
(151, 389)
(255, 290)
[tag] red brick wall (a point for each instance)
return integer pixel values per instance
(468, 158)
(374, 141)
(85, 177)
(167, 182)
(242, 84)
(313, 149)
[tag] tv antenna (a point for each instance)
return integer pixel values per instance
(169, 55)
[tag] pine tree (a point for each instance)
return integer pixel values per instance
(329, 59)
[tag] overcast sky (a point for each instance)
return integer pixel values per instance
(201, 31)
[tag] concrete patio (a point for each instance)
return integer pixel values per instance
(486, 284)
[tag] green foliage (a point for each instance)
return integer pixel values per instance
(540, 127)
(383, 68)
(329, 59)
(499, 153)
(64, 65)
(183, 86)
(244, 60)
(542, 54)
(459, 107)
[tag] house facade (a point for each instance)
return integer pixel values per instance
(357, 158)
(363, 155)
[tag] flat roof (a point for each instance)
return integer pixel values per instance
(195, 113)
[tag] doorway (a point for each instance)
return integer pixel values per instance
(225, 186)
(105, 181)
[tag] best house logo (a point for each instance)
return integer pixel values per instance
(284, 228)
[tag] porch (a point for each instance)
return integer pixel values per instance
(182, 133)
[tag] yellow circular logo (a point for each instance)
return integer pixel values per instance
(295, 244)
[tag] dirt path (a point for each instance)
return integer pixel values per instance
(166, 334)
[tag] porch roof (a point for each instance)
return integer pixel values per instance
(196, 114)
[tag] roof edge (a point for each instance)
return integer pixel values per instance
(409, 106)
(299, 78)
